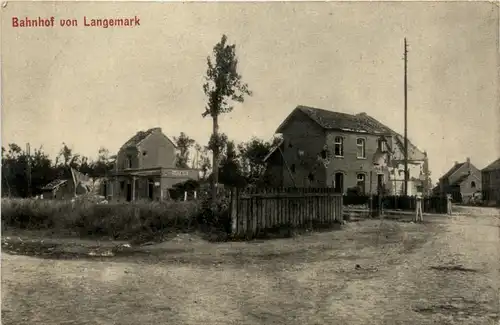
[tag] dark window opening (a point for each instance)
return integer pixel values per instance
(339, 146)
(311, 177)
(122, 185)
(290, 145)
(473, 184)
(293, 168)
(324, 154)
(144, 153)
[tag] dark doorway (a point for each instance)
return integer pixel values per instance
(380, 183)
(151, 188)
(129, 192)
(339, 183)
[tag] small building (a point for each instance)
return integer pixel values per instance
(490, 177)
(145, 168)
(322, 148)
(462, 181)
(59, 189)
(66, 189)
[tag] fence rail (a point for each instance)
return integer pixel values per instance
(256, 210)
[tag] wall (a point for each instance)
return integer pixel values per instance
(159, 152)
(467, 190)
(123, 154)
(491, 186)
(350, 165)
(170, 177)
(302, 134)
(156, 150)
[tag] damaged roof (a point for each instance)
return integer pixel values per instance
(361, 122)
(141, 136)
(54, 184)
(331, 120)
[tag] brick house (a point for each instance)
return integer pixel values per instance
(462, 181)
(490, 177)
(145, 168)
(321, 148)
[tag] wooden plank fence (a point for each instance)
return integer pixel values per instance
(255, 210)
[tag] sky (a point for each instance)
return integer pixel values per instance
(95, 87)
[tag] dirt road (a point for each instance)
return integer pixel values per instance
(445, 271)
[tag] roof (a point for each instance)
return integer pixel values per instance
(54, 184)
(460, 179)
(361, 122)
(331, 120)
(414, 153)
(275, 147)
(452, 170)
(493, 166)
(141, 136)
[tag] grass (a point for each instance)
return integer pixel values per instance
(113, 220)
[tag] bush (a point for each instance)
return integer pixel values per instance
(117, 220)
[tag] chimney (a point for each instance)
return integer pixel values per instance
(456, 163)
(468, 160)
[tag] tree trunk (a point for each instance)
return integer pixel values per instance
(215, 158)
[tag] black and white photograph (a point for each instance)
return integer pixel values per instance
(250, 163)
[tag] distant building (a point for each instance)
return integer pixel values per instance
(321, 148)
(462, 181)
(490, 177)
(145, 168)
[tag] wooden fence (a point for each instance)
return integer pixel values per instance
(431, 204)
(256, 210)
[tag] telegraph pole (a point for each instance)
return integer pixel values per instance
(406, 118)
(28, 167)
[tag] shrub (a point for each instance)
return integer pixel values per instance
(117, 220)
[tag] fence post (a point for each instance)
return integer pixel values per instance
(234, 210)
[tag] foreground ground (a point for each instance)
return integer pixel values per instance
(446, 271)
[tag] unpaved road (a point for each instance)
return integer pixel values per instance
(445, 271)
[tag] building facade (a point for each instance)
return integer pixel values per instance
(145, 168)
(462, 181)
(490, 177)
(320, 148)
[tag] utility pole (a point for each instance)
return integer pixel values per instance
(406, 118)
(28, 167)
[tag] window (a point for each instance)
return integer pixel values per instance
(128, 162)
(360, 143)
(382, 145)
(473, 184)
(339, 147)
(293, 168)
(144, 153)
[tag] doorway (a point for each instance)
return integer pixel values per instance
(129, 192)
(380, 183)
(151, 189)
(339, 183)
(360, 178)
